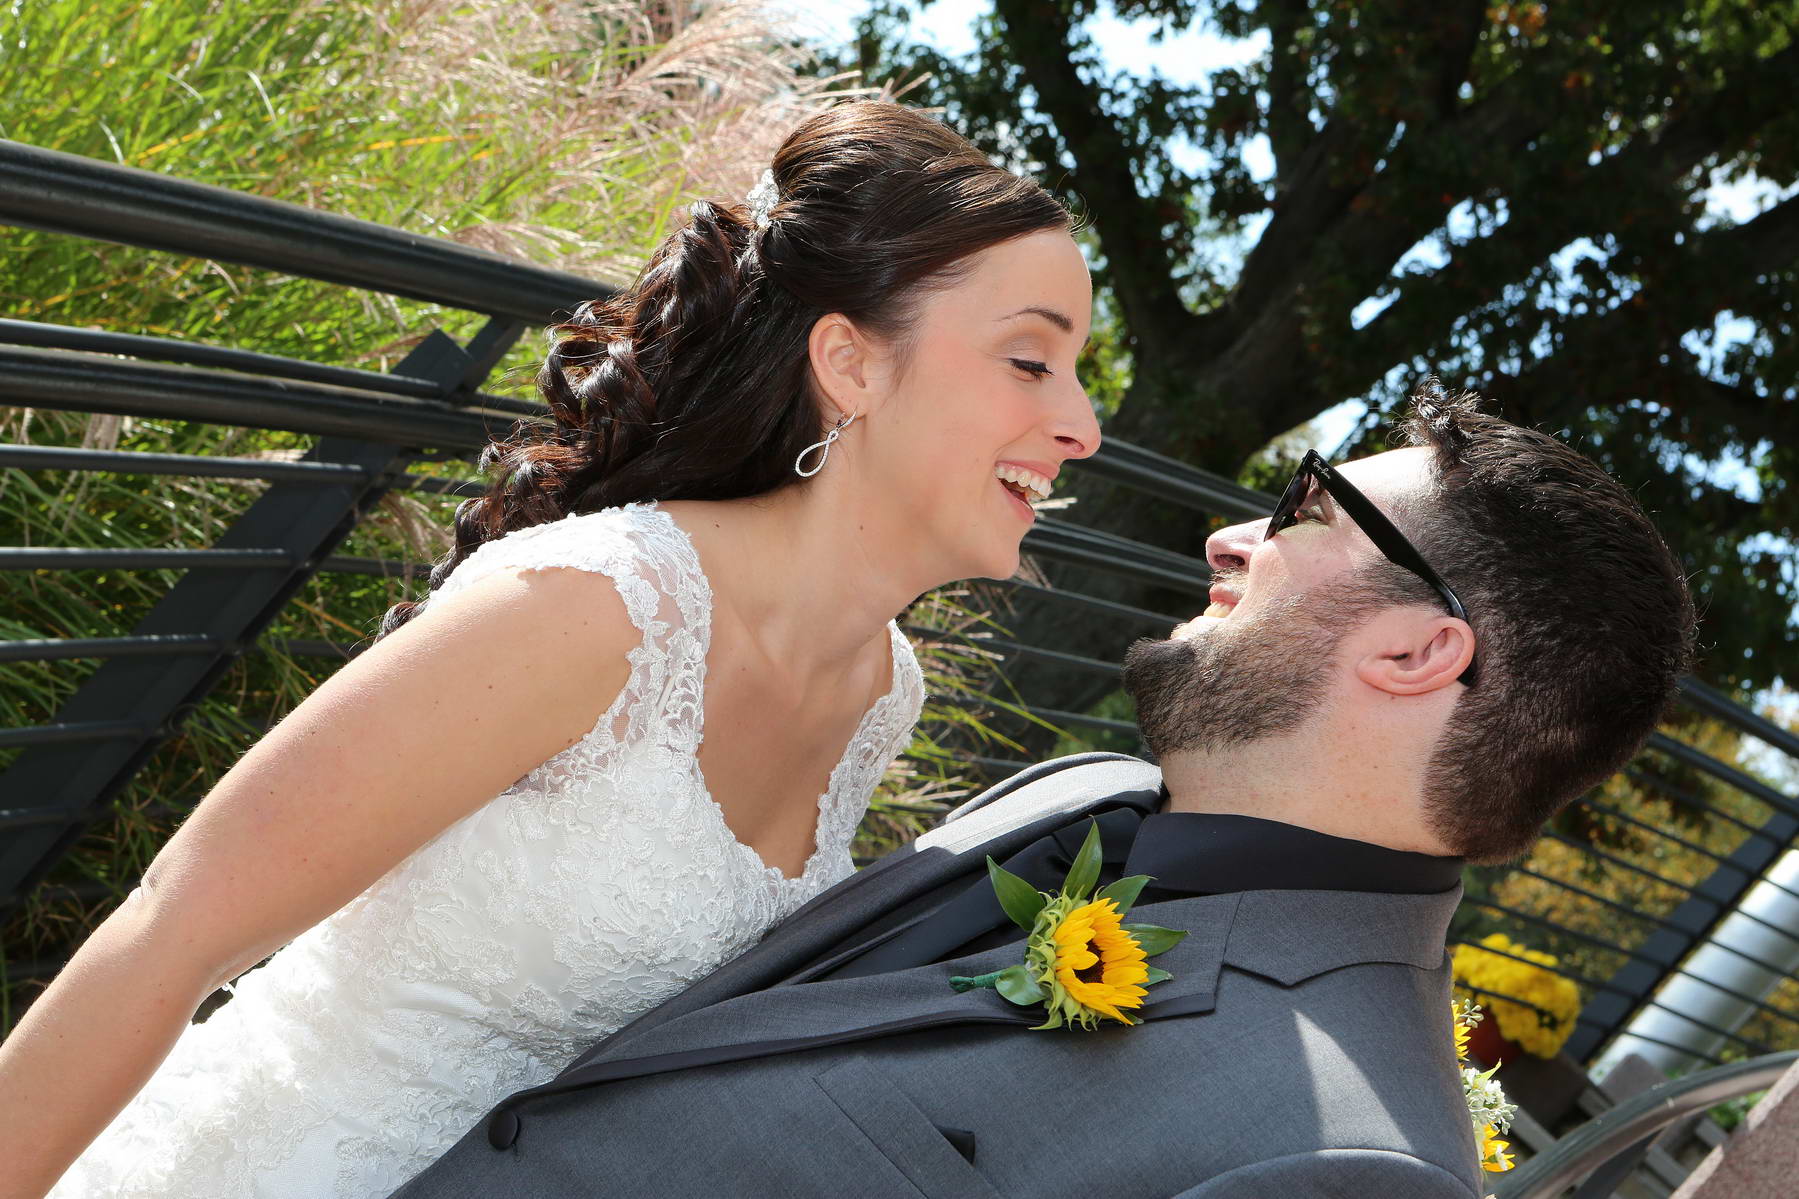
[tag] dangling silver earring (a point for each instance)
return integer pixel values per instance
(823, 448)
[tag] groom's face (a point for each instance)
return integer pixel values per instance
(1268, 651)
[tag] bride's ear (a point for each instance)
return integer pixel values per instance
(851, 367)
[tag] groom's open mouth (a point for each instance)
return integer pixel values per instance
(1223, 603)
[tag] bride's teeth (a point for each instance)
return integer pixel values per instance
(1033, 483)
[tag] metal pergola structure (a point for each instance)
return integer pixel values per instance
(370, 428)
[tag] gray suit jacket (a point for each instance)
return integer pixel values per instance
(1302, 1048)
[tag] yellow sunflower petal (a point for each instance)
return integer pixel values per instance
(1124, 974)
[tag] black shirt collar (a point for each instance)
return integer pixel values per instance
(1198, 853)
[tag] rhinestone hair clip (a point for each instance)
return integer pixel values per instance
(762, 199)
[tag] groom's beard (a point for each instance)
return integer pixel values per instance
(1245, 677)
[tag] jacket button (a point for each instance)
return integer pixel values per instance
(502, 1130)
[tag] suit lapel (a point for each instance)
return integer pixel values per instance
(1288, 936)
(836, 924)
(966, 908)
(833, 1012)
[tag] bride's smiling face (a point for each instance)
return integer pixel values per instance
(980, 408)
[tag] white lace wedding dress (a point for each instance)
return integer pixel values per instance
(600, 884)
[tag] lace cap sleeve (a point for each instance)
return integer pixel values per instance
(908, 693)
(628, 544)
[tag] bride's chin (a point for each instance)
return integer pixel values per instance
(989, 561)
(1002, 565)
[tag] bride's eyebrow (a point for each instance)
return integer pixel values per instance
(1060, 320)
(1049, 314)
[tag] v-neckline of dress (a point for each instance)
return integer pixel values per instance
(828, 798)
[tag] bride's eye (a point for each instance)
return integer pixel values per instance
(1037, 370)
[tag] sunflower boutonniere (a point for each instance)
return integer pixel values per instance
(1081, 960)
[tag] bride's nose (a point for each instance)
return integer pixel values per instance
(1076, 426)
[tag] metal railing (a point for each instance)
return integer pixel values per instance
(1605, 1150)
(372, 427)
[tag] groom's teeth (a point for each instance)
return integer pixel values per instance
(1035, 485)
(1219, 610)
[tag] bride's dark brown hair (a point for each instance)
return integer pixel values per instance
(694, 383)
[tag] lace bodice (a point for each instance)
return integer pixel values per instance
(600, 884)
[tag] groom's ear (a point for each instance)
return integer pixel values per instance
(853, 368)
(1406, 653)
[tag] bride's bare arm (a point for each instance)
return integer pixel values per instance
(424, 727)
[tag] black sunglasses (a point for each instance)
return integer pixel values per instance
(1372, 521)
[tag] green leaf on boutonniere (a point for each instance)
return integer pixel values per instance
(1157, 975)
(1020, 901)
(1085, 871)
(1018, 986)
(1124, 892)
(1155, 939)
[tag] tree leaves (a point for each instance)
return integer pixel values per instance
(1496, 195)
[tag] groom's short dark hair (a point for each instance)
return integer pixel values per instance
(1582, 621)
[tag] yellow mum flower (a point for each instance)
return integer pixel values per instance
(1098, 963)
(1493, 968)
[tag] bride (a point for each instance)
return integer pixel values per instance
(637, 719)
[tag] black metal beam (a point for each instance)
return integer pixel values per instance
(1637, 980)
(119, 715)
(1714, 703)
(1173, 480)
(1108, 552)
(75, 382)
(66, 193)
(1093, 603)
(58, 649)
(126, 462)
(273, 366)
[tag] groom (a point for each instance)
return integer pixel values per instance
(1421, 658)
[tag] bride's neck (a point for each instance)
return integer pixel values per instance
(803, 568)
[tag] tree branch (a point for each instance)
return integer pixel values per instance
(1646, 331)
(1290, 128)
(1428, 306)
(1335, 188)
(1042, 40)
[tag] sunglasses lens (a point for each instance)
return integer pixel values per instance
(1297, 488)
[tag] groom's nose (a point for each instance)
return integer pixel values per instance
(1229, 549)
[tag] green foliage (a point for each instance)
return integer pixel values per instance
(1507, 195)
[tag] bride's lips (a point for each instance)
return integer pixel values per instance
(1017, 502)
(1033, 479)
